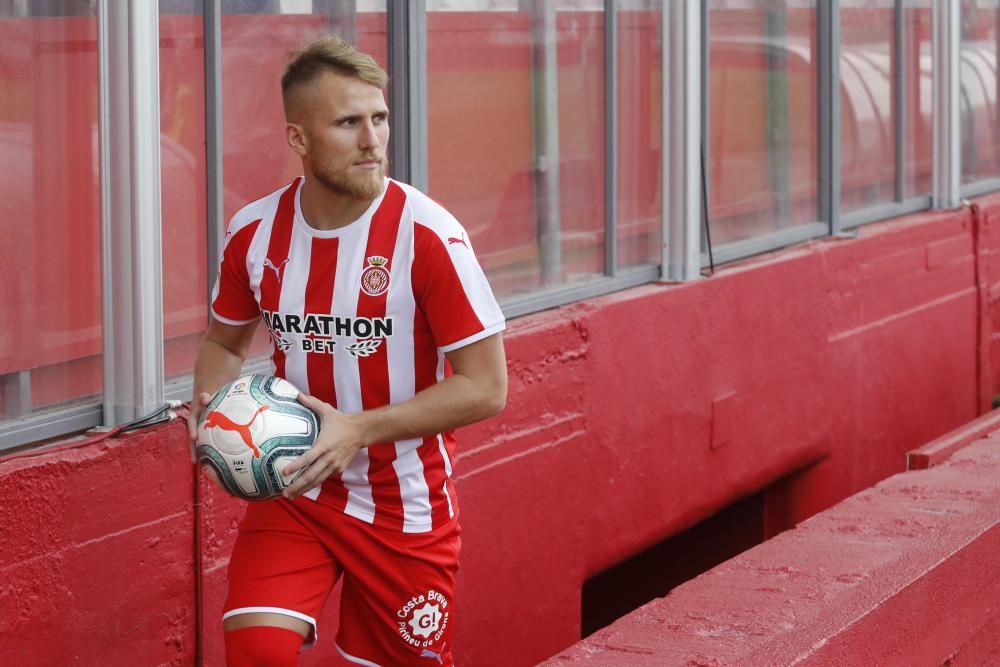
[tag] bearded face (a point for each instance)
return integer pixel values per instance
(343, 123)
(362, 181)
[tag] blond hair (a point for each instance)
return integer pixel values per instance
(328, 53)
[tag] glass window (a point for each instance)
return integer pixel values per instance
(182, 164)
(867, 107)
(640, 132)
(762, 128)
(977, 102)
(515, 100)
(918, 105)
(50, 256)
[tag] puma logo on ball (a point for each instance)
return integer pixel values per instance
(218, 420)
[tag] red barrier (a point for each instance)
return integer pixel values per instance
(901, 574)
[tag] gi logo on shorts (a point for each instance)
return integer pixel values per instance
(375, 277)
(423, 619)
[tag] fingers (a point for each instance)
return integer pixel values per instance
(332, 463)
(304, 459)
(193, 419)
(192, 424)
(310, 478)
(313, 403)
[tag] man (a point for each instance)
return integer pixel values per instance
(379, 312)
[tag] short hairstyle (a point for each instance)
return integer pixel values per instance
(328, 53)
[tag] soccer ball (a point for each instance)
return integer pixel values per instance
(250, 430)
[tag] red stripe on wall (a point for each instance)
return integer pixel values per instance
(374, 369)
(277, 255)
(319, 300)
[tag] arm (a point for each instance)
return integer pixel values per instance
(220, 358)
(476, 390)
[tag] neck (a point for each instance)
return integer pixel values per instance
(327, 209)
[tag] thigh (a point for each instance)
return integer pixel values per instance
(397, 605)
(279, 574)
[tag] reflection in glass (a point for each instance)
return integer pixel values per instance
(978, 99)
(182, 181)
(762, 131)
(516, 137)
(867, 106)
(918, 104)
(50, 256)
(640, 133)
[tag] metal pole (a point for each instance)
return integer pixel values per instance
(777, 115)
(946, 41)
(407, 46)
(133, 278)
(899, 98)
(682, 140)
(214, 186)
(828, 48)
(107, 264)
(545, 121)
(610, 138)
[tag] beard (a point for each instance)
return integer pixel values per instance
(364, 185)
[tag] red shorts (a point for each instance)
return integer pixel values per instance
(397, 603)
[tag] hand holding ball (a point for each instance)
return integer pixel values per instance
(250, 430)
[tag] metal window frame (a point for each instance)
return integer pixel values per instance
(214, 173)
(828, 107)
(407, 46)
(133, 281)
(131, 253)
(977, 188)
(903, 203)
(945, 86)
(610, 138)
(599, 285)
(757, 245)
(682, 141)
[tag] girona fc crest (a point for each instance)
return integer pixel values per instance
(375, 277)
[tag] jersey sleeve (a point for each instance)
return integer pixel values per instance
(233, 300)
(451, 288)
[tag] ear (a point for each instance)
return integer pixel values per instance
(296, 137)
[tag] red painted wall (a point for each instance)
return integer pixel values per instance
(809, 372)
(901, 574)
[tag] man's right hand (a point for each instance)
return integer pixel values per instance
(198, 404)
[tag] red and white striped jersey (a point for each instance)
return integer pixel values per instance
(361, 317)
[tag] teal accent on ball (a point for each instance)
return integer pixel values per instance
(266, 478)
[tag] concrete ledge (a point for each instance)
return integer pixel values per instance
(936, 451)
(903, 573)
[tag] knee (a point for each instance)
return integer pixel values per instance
(262, 646)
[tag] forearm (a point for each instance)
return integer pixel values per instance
(454, 402)
(216, 365)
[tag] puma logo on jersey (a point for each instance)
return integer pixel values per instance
(458, 239)
(268, 264)
(216, 419)
(427, 653)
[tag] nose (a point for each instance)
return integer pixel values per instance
(369, 136)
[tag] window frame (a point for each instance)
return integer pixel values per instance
(131, 262)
